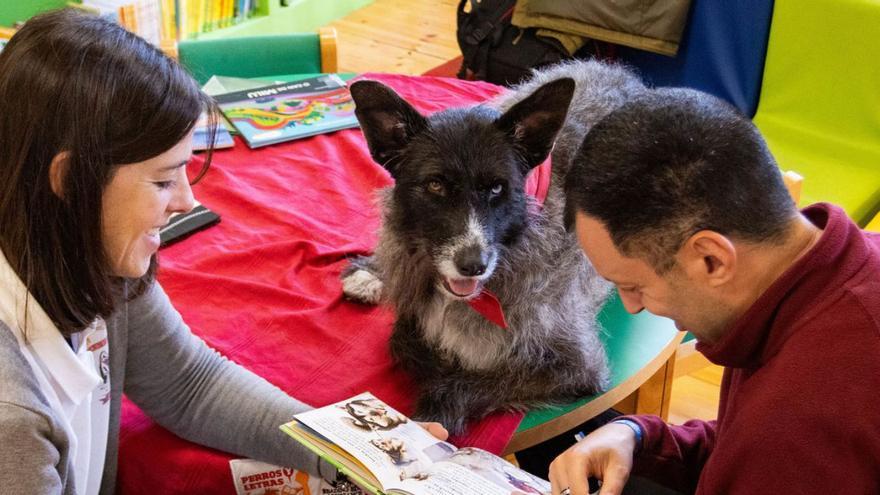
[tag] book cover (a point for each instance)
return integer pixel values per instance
(202, 135)
(259, 478)
(282, 112)
(384, 452)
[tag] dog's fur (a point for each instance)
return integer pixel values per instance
(458, 214)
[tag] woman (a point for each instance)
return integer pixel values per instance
(95, 133)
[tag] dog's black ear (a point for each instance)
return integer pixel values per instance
(534, 121)
(387, 120)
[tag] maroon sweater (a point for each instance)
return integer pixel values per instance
(800, 398)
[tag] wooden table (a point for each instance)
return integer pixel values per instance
(641, 350)
(262, 288)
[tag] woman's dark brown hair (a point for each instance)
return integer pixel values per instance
(79, 86)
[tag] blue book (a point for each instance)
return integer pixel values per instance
(286, 111)
(201, 135)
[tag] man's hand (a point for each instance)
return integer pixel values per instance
(435, 429)
(606, 454)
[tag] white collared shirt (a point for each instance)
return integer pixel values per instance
(75, 378)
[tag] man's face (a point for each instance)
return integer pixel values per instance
(672, 295)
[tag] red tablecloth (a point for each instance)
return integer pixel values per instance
(263, 288)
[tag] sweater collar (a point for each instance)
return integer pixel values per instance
(44, 339)
(758, 334)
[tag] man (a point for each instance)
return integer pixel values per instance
(677, 201)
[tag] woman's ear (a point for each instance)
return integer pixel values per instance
(711, 257)
(57, 172)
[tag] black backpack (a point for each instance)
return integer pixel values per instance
(494, 50)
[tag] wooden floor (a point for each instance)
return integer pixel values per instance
(414, 36)
(399, 36)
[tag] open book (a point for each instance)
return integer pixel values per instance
(382, 451)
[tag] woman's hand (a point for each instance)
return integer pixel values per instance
(436, 429)
(605, 454)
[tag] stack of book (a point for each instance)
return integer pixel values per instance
(164, 22)
(281, 112)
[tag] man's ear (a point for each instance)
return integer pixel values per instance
(534, 122)
(388, 122)
(709, 256)
(57, 173)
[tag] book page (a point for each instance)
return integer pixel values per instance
(391, 446)
(448, 478)
(501, 473)
(405, 458)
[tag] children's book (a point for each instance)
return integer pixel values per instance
(5, 36)
(218, 85)
(384, 452)
(259, 478)
(202, 135)
(286, 111)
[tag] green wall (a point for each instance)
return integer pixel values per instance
(298, 16)
(12, 11)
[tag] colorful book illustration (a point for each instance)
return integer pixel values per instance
(384, 452)
(282, 112)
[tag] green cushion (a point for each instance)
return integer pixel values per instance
(819, 107)
(253, 56)
(631, 342)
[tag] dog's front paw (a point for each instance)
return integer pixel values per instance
(362, 286)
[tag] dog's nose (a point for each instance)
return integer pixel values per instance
(471, 261)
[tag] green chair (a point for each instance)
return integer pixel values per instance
(819, 107)
(874, 225)
(640, 350)
(260, 56)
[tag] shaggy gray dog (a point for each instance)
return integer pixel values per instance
(458, 222)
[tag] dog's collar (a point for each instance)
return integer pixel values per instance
(490, 307)
(537, 186)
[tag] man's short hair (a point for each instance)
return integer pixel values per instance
(671, 163)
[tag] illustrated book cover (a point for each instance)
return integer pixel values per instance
(384, 452)
(286, 111)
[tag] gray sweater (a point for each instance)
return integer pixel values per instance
(172, 375)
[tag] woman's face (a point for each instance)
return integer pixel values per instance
(138, 202)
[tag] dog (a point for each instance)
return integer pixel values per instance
(459, 232)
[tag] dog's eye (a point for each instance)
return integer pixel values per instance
(436, 187)
(497, 189)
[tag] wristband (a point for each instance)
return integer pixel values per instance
(636, 428)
